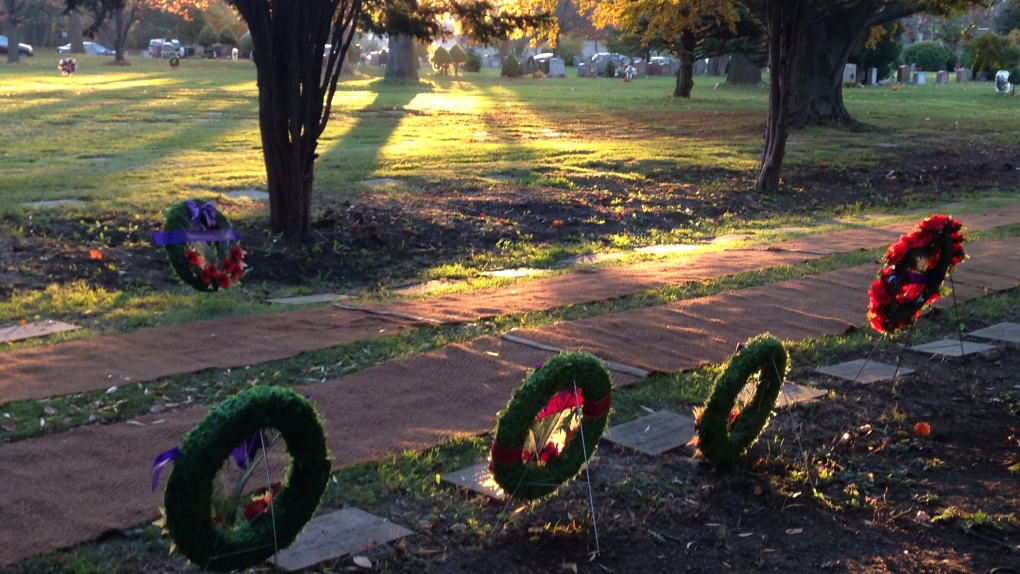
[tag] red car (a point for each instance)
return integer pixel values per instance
(23, 49)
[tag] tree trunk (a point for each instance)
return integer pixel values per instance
(784, 19)
(684, 76)
(826, 44)
(402, 64)
(743, 71)
(717, 65)
(121, 26)
(12, 11)
(74, 31)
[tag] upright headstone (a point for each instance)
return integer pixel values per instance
(962, 76)
(641, 68)
(557, 67)
(873, 76)
(903, 74)
(942, 77)
(577, 60)
(701, 66)
(584, 70)
(850, 74)
(913, 68)
(920, 78)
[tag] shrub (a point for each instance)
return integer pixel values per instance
(511, 68)
(228, 37)
(990, 52)
(568, 47)
(458, 57)
(610, 69)
(929, 56)
(474, 62)
(207, 37)
(246, 45)
(441, 60)
(880, 49)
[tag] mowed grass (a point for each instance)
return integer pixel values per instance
(138, 137)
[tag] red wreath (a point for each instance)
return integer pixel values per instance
(915, 267)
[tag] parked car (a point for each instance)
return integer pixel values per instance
(23, 49)
(90, 48)
(160, 48)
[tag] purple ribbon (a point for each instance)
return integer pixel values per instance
(162, 460)
(202, 217)
(187, 235)
(246, 451)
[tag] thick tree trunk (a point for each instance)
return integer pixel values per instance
(717, 65)
(784, 19)
(74, 33)
(402, 64)
(684, 76)
(826, 44)
(13, 38)
(121, 26)
(743, 71)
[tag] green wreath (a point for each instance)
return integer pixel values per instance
(188, 497)
(195, 261)
(724, 439)
(175, 61)
(523, 463)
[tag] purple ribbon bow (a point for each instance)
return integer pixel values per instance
(162, 460)
(246, 451)
(202, 217)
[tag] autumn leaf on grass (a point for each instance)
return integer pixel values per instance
(95, 254)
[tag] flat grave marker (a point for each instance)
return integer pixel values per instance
(54, 203)
(951, 348)
(512, 273)
(862, 371)
(308, 299)
(11, 333)
(249, 194)
(476, 478)
(654, 434)
(667, 249)
(1008, 332)
(591, 258)
(790, 394)
(381, 182)
(337, 534)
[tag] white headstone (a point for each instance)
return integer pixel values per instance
(920, 78)
(1002, 85)
(850, 74)
(873, 76)
(336, 534)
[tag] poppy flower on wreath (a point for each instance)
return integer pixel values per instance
(201, 246)
(915, 267)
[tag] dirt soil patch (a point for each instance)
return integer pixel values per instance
(382, 239)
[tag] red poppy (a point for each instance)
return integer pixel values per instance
(562, 401)
(207, 276)
(223, 280)
(260, 504)
(193, 258)
(236, 254)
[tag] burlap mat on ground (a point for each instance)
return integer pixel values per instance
(102, 362)
(73, 487)
(688, 334)
(585, 286)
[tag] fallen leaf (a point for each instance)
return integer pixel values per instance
(136, 423)
(427, 524)
(22, 322)
(535, 530)
(95, 254)
(794, 530)
(458, 527)
(362, 561)
(745, 534)
(50, 410)
(157, 408)
(557, 223)
(572, 566)
(922, 429)
(111, 390)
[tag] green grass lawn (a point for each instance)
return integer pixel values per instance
(140, 136)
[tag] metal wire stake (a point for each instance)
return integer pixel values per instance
(866, 361)
(959, 335)
(587, 475)
(272, 507)
(899, 356)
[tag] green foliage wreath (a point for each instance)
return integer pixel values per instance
(195, 262)
(544, 471)
(722, 439)
(189, 491)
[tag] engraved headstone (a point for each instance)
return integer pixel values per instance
(951, 348)
(942, 77)
(962, 76)
(476, 478)
(863, 371)
(654, 434)
(11, 333)
(920, 78)
(873, 76)
(903, 74)
(1008, 332)
(850, 74)
(557, 67)
(337, 534)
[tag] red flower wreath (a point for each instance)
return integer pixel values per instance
(915, 267)
(233, 267)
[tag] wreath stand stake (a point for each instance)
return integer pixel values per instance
(272, 507)
(959, 336)
(587, 478)
(899, 356)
